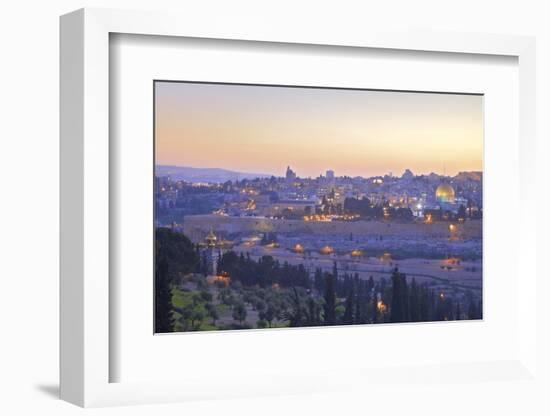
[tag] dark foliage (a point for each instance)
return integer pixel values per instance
(174, 256)
(264, 272)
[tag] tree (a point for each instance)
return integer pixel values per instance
(473, 311)
(296, 313)
(360, 300)
(398, 311)
(239, 312)
(205, 296)
(313, 312)
(226, 296)
(318, 280)
(461, 215)
(425, 304)
(164, 321)
(185, 315)
(330, 300)
(213, 312)
(350, 306)
(376, 311)
(414, 302)
(229, 263)
(198, 313)
(269, 313)
(174, 256)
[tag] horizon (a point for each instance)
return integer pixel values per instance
(322, 174)
(253, 129)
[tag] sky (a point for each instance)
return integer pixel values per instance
(263, 129)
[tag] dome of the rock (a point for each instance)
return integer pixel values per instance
(445, 193)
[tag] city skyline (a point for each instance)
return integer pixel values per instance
(322, 173)
(263, 129)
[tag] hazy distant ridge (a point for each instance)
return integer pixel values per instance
(218, 175)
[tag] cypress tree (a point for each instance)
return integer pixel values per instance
(330, 300)
(164, 321)
(458, 312)
(397, 312)
(174, 255)
(319, 282)
(349, 311)
(359, 299)
(376, 312)
(414, 303)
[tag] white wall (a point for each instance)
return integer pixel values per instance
(29, 190)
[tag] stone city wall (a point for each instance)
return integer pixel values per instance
(197, 226)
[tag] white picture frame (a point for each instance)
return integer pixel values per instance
(85, 201)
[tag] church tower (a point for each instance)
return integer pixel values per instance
(211, 256)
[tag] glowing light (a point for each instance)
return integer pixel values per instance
(298, 248)
(326, 250)
(317, 217)
(356, 253)
(386, 257)
(445, 193)
(451, 261)
(222, 278)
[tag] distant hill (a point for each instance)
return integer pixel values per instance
(216, 175)
(459, 177)
(474, 176)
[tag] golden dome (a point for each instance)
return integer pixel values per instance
(445, 193)
(211, 238)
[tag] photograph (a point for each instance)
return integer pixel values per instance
(280, 206)
(237, 208)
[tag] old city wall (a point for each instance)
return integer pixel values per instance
(196, 227)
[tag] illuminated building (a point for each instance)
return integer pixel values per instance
(298, 207)
(211, 239)
(211, 255)
(445, 194)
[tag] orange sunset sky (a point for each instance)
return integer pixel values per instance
(263, 129)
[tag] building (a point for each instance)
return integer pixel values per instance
(211, 253)
(407, 175)
(445, 194)
(290, 174)
(330, 175)
(279, 208)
